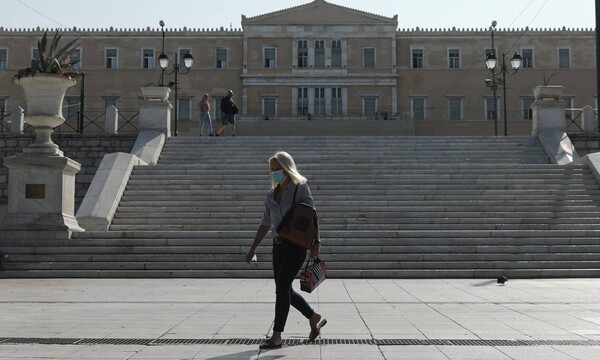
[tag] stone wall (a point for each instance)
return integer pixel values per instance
(88, 150)
(585, 144)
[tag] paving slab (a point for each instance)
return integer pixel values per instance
(367, 319)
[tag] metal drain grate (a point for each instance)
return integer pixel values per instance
(294, 342)
(113, 341)
(45, 341)
(189, 342)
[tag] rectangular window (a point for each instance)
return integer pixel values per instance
(336, 101)
(3, 114)
(76, 57)
(111, 58)
(455, 109)
(488, 52)
(369, 57)
(269, 107)
(302, 106)
(527, 56)
(527, 111)
(70, 108)
(319, 101)
(182, 52)
(417, 58)
(490, 109)
(221, 58)
(417, 108)
(2, 108)
(336, 53)
(454, 58)
(184, 109)
(564, 58)
(147, 58)
(302, 54)
(111, 101)
(215, 108)
(370, 106)
(270, 58)
(569, 115)
(320, 54)
(3, 58)
(35, 54)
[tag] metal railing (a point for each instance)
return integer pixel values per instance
(575, 119)
(5, 122)
(80, 123)
(94, 121)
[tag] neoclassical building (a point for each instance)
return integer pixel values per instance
(327, 62)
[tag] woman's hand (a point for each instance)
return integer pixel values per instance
(314, 250)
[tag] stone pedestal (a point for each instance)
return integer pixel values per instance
(548, 111)
(41, 193)
(155, 110)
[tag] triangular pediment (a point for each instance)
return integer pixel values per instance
(319, 12)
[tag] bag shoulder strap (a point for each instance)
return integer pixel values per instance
(294, 198)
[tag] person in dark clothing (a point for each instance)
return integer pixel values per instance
(288, 258)
(228, 111)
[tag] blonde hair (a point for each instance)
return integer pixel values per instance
(289, 166)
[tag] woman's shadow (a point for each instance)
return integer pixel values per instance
(251, 355)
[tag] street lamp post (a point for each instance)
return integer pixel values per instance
(494, 86)
(162, 73)
(163, 60)
(490, 62)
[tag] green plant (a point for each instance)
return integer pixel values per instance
(53, 60)
(547, 79)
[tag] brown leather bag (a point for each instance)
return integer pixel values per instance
(300, 225)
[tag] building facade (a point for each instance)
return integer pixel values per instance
(324, 62)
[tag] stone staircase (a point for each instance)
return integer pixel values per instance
(391, 207)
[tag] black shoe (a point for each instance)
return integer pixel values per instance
(269, 344)
(211, 134)
(217, 135)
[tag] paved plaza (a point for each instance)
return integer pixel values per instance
(368, 319)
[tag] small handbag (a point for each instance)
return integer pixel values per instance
(299, 225)
(313, 274)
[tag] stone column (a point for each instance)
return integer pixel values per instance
(111, 120)
(590, 123)
(155, 110)
(17, 122)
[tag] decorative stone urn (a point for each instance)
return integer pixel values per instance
(44, 94)
(156, 93)
(553, 92)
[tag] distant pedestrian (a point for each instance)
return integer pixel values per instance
(228, 111)
(205, 116)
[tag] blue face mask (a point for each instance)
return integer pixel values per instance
(278, 176)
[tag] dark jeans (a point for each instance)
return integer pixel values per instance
(287, 261)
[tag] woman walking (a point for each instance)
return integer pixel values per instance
(288, 258)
